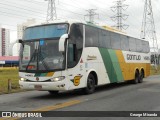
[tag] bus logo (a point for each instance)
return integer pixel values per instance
(76, 80)
(37, 78)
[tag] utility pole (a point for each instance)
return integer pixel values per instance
(119, 7)
(91, 14)
(148, 31)
(51, 11)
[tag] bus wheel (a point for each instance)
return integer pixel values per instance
(53, 92)
(141, 76)
(136, 79)
(90, 85)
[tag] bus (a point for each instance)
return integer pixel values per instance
(68, 55)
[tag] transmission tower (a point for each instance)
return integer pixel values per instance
(91, 14)
(119, 7)
(148, 31)
(51, 11)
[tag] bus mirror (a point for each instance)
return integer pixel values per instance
(19, 41)
(62, 42)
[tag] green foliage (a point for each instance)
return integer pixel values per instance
(5, 75)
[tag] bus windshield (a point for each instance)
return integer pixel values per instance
(39, 51)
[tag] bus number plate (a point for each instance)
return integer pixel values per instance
(38, 87)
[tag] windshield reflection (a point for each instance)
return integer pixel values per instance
(41, 55)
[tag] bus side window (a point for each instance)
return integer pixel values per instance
(145, 46)
(132, 44)
(115, 41)
(124, 43)
(92, 37)
(104, 39)
(139, 45)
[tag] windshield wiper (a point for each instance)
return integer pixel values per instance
(33, 55)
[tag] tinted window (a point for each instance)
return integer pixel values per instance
(139, 45)
(47, 31)
(91, 35)
(124, 42)
(132, 44)
(145, 46)
(104, 39)
(115, 41)
(75, 44)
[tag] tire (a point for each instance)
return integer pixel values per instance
(53, 92)
(141, 76)
(90, 85)
(136, 79)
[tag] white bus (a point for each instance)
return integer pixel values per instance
(61, 56)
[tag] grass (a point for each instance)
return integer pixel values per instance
(5, 75)
(12, 74)
(153, 71)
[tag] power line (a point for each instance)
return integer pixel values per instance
(32, 1)
(61, 8)
(24, 13)
(22, 8)
(22, 16)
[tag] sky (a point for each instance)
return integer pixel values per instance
(13, 12)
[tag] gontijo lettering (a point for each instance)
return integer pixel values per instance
(133, 57)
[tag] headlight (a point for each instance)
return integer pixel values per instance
(55, 79)
(23, 79)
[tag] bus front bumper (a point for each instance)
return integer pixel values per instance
(43, 86)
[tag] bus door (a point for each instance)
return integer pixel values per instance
(75, 65)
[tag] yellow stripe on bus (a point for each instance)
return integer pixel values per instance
(128, 69)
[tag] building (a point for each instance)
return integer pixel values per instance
(4, 41)
(9, 61)
(21, 27)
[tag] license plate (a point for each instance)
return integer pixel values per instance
(38, 87)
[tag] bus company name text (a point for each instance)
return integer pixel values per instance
(133, 57)
(136, 57)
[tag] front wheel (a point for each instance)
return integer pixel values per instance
(90, 85)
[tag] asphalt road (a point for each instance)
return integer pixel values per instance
(114, 97)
